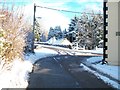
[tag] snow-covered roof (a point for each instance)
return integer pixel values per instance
(51, 40)
(62, 42)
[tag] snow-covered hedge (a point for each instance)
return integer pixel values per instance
(12, 35)
(13, 29)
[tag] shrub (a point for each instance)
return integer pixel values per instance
(12, 34)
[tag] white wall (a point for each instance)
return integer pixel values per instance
(112, 28)
(119, 31)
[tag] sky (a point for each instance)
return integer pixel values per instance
(52, 18)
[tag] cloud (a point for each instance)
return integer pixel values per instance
(52, 3)
(89, 5)
(49, 18)
(95, 7)
(53, 18)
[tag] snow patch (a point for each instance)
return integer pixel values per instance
(94, 59)
(107, 69)
(97, 51)
(39, 53)
(105, 79)
(18, 75)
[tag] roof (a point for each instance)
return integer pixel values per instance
(63, 41)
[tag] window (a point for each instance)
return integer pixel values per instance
(117, 33)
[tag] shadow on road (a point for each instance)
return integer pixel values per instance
(63, 71)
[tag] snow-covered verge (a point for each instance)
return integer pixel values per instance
(18, 76)
(15, 76)
(39, 53)
(76, 52)
(106, 68)
(97, 50)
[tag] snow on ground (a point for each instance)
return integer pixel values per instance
(76, 52)
(97, 50)
(105, 79)
(106, 68)
(94, 59)
(32, 58)
(40, 53)
(18, 76)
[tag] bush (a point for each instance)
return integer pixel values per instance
(12, 34)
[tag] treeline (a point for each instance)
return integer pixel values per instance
(86, 30)
(55, 32)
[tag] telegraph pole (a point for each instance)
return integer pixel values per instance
(34, 17)
(33, 27)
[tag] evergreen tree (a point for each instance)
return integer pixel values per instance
(86, 31)
(64, 33)
(72, 29)
(57, 32)
(51, 33)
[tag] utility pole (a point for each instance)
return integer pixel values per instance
(33, 27)
(34, 18)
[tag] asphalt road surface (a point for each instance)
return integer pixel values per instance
(63, 71)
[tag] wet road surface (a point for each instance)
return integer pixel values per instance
(63, 71)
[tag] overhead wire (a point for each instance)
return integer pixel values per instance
(66, 10)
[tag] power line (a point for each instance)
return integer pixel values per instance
(65, 10)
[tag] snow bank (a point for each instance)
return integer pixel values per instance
(107, 69)
(39, 53)
(18, 76)
(98, 51)
(94, 59)
(105, 79)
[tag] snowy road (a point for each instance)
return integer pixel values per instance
(63, 71)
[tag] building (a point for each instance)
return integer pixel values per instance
(112, 26)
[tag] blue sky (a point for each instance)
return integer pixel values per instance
(74, 5)
(50, 16)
